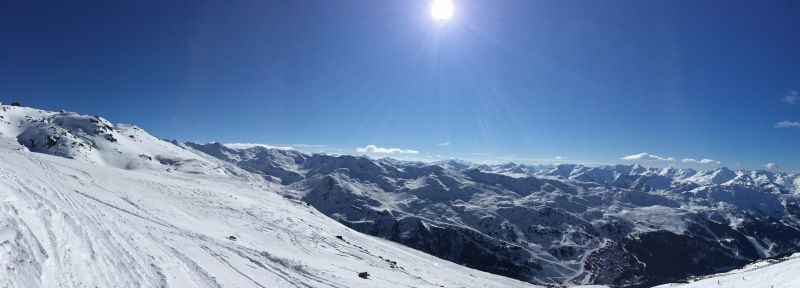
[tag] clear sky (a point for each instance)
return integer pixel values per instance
(503, 80)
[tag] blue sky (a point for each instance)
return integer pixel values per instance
(511, 80)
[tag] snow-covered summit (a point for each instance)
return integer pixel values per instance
(618, 174)
(94, 139)
(70, 217)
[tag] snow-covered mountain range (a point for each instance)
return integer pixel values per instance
(105, 205)
(564, 224)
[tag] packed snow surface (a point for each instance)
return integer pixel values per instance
(108, 205)
(766, 273)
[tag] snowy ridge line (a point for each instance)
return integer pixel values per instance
(131, 210)
(760, 264)
(757, 274)
(600, 223)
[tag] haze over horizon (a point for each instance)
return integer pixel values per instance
(685, 83)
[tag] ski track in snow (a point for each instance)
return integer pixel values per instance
(66, 223)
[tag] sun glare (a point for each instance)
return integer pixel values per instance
(442, 9)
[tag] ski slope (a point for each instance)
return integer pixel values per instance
(761, 274)
(109, 217)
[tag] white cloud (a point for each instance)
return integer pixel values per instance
(790, 98)
(771, 166)
(647, 157)
(309, 145)
(709, 161)
(444, 144)
(787, 124)
(252, 145)
(560, 157)
(372, 149)
(701, 161)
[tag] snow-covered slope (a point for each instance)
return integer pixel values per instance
(768, 273)
(110, 218)
(564, 224)
(84, 203)
(94, 140)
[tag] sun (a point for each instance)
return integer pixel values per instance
(442, 9)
